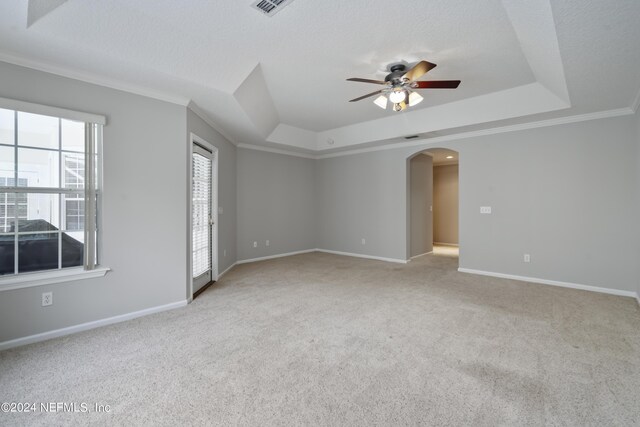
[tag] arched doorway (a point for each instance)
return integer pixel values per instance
(433, 200)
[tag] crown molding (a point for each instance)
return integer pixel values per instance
(277, 151)
(204, 116)
(429, 141)
(91, 78)
(185, 102)
(491, 131)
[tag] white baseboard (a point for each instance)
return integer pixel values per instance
(453, 245)
(264, 258)
(400, 261)
(227, 270)
(551, 282)
(418, 256)
(89, 325)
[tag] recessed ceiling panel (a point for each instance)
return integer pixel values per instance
(205, 51)
(306, 52)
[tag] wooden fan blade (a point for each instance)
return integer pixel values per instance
(366, 96)
(436, 84)
(419, 70)
(357, 79)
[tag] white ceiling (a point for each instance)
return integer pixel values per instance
(280, 81)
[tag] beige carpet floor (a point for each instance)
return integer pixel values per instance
(320, 339)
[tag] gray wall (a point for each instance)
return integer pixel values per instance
(562, 194)
(420, 202)
(445, 204)
(143, 214)
(276, 202)
(227, 188)
(364, 196)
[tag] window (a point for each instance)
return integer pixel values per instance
(74, 203)
(11, 205)
(49, 192)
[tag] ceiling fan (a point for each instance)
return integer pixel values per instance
(401, 85)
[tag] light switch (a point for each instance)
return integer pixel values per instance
(220, 210)
(485, 209)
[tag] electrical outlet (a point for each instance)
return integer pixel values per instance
(527, 258)
(47, 298)
(220, 210)
(224, 252)
(364, 242)
(266, 243)
(255, 244)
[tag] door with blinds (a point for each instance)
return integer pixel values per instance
(202, 219)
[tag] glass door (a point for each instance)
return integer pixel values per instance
(201, 217)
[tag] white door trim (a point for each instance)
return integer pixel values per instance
(195, 139)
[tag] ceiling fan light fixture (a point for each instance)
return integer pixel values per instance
(399, 84)
(397, 96)
(414, 99)
(381, 102)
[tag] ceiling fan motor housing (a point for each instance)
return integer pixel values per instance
(397, 71)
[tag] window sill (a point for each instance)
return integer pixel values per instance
(27, 280)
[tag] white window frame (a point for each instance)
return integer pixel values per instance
(90, 268)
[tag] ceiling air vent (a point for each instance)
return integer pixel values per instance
(270, 7)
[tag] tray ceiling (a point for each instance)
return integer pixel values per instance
(280, 81)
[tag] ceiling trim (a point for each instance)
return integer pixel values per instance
(204, 116)
(277, 151)
(491, 131)
(93, 79)
(149, 93)
(430, 141)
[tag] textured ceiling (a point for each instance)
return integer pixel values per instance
(600, 45)
(209, 52)
(306, 52)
